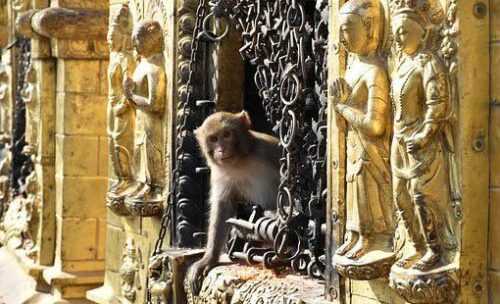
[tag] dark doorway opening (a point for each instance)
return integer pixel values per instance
(252, 102)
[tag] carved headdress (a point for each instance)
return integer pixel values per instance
(372, 14)
(122, 18)
(150, 32)
(425, 12)
(121, 24)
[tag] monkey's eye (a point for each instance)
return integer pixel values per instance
(212, 139)
(226, 134)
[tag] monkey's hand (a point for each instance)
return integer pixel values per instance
(197, 272)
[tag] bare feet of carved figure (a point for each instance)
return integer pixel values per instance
(142, 192)
(119, 187)
(359, 249)
(429, 260)
(408, 261)
(350, 240)
(197, 272)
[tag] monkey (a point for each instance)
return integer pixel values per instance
(244, 166)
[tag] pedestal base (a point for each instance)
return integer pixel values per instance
(375, 263)
(102, 295)
(371, 266)
(117, 206)
(71, 286)
(29, 266)
(430, 287)
(144, 208)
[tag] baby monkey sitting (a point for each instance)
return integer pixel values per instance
(244, 166)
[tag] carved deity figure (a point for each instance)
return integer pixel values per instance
(4, 99)
(129, 271)
(21, 219)
(161, 279)
(28, 95)
(146, 92)
(362, 101)
(121, 112)
(421, 143)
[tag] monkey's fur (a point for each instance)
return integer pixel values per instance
(244, 166)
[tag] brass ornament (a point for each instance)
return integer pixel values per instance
(120, 113)
(145, 91)
(426, 185)
(362, 102)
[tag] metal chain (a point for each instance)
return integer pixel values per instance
(184, 109)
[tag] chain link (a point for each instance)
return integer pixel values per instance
(184, 109)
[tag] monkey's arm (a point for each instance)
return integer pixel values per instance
(221, 210)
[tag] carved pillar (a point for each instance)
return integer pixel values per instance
(71, 133)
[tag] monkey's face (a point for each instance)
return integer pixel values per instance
(223, 146)
(224, 138)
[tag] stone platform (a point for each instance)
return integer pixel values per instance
(241, 284)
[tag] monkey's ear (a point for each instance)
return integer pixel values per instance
(245, 119)
(197, 133)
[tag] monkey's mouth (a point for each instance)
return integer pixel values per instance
(224, 158)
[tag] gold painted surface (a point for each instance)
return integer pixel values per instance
(362, 101)
(431, 232)
(145, 91)
(121, 113)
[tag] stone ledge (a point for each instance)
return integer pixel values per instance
(246, 284)
(27, 265)
(56, 277)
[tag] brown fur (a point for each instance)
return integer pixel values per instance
(244, 167)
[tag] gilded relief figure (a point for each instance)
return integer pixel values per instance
(121, 113)
(146, 92)
(362, 101)
(421, 143)
(28, 95)
(4, 99)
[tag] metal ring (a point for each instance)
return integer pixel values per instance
(278, 248)
(211, 36)
(283, 214)
(288, 138)
(315, 269)
(293, 8)
(295, 85)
